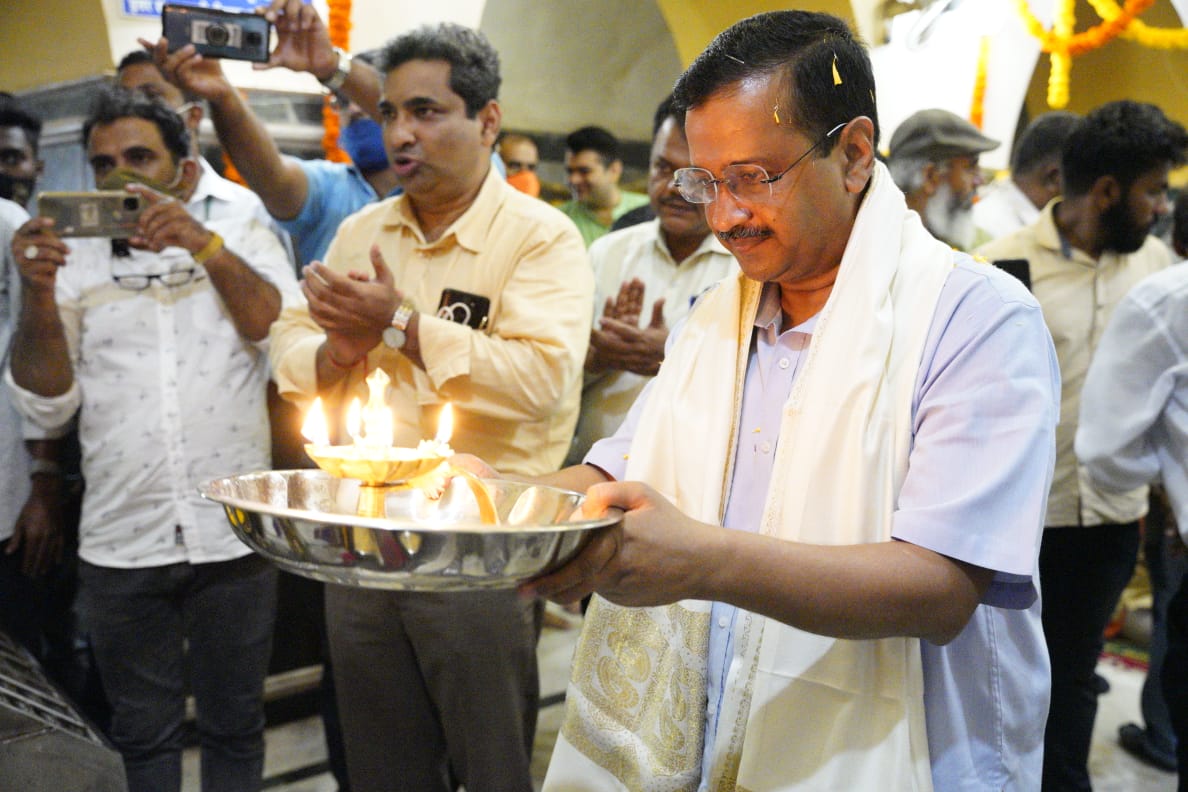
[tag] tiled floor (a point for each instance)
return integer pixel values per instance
(298, 744)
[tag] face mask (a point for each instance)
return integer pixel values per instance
(526, 182)
(119, 178)
(18, 191)
(363, 141)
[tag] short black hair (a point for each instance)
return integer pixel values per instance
(13, 115)
(113, 103)
(826, 67)
(1042, 140)
(596, 139)
(474, 63)
(664, 111)
(135, 58)
(1123, 139)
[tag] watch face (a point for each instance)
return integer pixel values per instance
(394, 337)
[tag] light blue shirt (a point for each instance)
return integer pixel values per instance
(1133, 427)
(987, 399)
(335, 191)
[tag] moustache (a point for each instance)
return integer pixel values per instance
(742, 232)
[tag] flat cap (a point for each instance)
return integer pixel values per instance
(938, 135)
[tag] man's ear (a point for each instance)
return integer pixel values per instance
(615, 169)
(858, 153)
(1050, 177)
(490, 119)
(1106, 192)
(933, 174)
(191, 172)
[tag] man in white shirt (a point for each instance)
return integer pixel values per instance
(661, 265)
(1011, 203)
(1084, 253)
(1133, 430)
(158, 347)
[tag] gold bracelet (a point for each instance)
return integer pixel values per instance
(210, 249)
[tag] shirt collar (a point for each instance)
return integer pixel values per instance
(212, 185)
(470, 230)
(709, 246)
(770, 316)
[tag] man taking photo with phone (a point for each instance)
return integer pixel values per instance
(157, 347)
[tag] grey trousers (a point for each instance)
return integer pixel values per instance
(434, 689)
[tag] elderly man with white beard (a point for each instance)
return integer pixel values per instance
(934, 159)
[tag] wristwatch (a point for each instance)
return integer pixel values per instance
(334, 82)
(395, 335)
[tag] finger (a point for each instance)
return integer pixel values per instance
(579, 577)
(308, 16)
(473, 464)
(14, 543)
(151, 196)
(657, 314)
(625, 495)
(382, 273)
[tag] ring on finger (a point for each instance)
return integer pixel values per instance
(31, 252)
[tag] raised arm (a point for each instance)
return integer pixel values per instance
(277, 179)
(40, 360)
(252, 302)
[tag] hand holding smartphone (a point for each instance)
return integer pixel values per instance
(217, 34)
(102, 213)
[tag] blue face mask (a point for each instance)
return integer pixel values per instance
(363, 141)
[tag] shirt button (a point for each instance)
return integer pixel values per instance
(722, 622)
(784, 363)
(765, 447)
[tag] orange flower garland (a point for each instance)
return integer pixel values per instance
(1063, 45)
(1154, 38)
(338, 25)
(977, 107)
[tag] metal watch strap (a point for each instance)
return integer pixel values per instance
(394, 335)
(334, 82)
(403, 315)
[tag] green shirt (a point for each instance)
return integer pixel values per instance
(588, 224)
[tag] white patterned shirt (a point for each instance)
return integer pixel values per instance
(168, 394)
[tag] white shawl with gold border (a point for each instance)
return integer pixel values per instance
(799, 711)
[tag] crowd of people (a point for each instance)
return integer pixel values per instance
(883, 434)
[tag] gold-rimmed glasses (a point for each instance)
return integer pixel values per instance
(746, 182)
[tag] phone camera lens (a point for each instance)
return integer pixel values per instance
(131, 204)
(217, 35)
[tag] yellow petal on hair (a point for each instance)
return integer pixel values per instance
(775, 114)
(837, 80)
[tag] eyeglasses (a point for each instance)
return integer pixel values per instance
(169, 279)
(748, 183)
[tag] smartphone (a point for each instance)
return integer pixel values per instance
(218, 34)
(472, 310)
(103, 213)
(1020, 268)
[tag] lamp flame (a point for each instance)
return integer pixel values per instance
(314, 427)
(354, 421)
(445, 425)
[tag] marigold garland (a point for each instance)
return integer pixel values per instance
(1142, 33)
(338, 25)
(1063, 45)
(977, 107)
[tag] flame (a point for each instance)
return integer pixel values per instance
(379, 426)
(354, 420)
(445, 424)
(314, 427)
